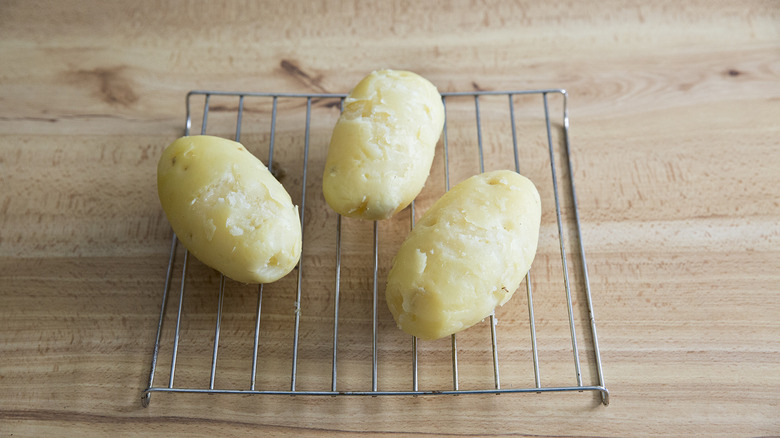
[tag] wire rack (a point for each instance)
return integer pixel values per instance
(414, 388)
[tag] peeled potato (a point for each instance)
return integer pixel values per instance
(382, 146)
(466, 255)
(228, 210)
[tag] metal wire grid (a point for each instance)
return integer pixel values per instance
(414, 391)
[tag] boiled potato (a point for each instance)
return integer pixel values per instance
(382, 146)
(466, 255)
(228, 210)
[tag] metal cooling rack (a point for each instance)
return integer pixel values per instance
(296, 305)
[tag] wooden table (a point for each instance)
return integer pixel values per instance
(674, 131)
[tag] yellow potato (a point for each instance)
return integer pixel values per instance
(382, 146)
(466, 255)
(228, 210)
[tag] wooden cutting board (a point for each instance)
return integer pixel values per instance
(675, 156)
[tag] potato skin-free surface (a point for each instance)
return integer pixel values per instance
(382, 146)
(466, 255)
(228, 210)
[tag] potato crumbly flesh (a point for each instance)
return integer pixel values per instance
(228, 210)
(382, 146)
(466, 255)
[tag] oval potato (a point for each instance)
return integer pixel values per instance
(382, 146)
(466, 255)
(228, 210)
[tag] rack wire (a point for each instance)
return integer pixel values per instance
(415, 389)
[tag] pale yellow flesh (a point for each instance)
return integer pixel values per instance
(382, 146)
(228, 210)
(466, 255)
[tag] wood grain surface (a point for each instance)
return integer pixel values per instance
(674, 130)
